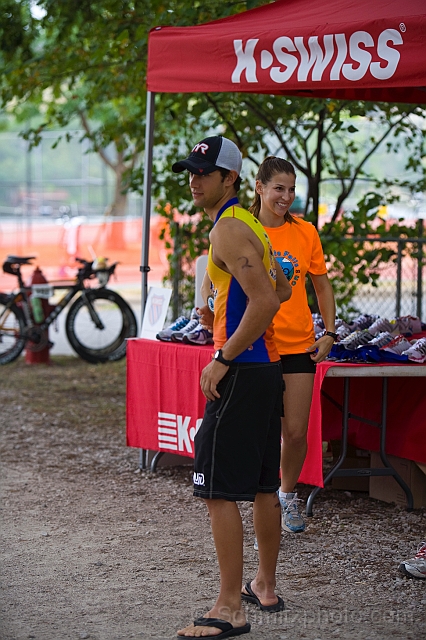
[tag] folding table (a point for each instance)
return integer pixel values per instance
(367, 371)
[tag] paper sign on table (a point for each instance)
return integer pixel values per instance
(155, 312)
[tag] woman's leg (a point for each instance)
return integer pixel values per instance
(297, 404)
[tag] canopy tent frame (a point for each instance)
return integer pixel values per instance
(146, 199)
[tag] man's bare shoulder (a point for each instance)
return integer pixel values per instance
(233, 227)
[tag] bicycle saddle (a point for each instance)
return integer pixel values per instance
(19, 260)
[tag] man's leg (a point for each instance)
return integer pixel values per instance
(228, 538)
(267, 527)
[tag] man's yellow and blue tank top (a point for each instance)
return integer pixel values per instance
(230, 301)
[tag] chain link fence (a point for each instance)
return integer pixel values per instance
(400, 287)
(399, 290)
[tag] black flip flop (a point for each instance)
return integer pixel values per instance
(227, 629)
(250, 596)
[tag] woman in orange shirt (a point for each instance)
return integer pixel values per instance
(298, 250)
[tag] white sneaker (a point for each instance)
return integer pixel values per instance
(356, 339)
(177, 336)
(381, 339)
(417, 351)
(415, 567)
(165, 334)
(199, 335)
(382, 324)
(408, 324)
(398, 345)
(363, 322)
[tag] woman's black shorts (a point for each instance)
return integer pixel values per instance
(297, 363)
(237, 448)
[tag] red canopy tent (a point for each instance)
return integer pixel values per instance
(344, 49)
(347, 49)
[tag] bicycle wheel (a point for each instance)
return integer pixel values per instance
(12, 328)
(97, 325)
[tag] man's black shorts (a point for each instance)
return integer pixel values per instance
(237, 448)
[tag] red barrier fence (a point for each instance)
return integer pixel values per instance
(56, 244)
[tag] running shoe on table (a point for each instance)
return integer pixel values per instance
(318, 325)
(398, 345)
(343, 331)
(381, 339)
(356, 339)
(382, 324)
(199, 336)
(409, 324)
(166, 334)
(317, 319)
(177, 336)
(363, 321)
(339, 322)
(417, 351)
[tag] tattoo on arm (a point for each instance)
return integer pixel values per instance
(246, 263)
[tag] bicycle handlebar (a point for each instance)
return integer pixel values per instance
(87, 271)
(12, 265)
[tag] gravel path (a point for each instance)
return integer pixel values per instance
(92, 548)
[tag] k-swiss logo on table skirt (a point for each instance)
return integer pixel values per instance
(175, 432)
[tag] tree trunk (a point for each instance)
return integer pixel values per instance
(114, 228)
(314, 184)
(314, 196)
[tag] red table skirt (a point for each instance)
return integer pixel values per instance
(165, 406)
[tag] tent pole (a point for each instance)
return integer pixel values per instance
(146, 202)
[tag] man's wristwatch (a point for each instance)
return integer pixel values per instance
(219, 357)
(331, 334)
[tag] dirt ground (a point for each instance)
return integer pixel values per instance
(94, 548)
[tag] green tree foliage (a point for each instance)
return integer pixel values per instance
(88, 60)
(355, 260)
(321, 138)
(326, 142)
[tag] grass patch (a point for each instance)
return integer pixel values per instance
(81, 394)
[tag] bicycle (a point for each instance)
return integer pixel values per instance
(97, 324)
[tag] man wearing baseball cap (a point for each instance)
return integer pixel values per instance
(210, 155)
(237, 448)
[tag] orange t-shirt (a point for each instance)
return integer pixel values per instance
(297, 249)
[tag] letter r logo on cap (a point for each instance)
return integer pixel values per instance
(201, 146)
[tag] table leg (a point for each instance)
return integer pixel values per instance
(388, 470)
(155, 460)
(143, 459)
(404, 486)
